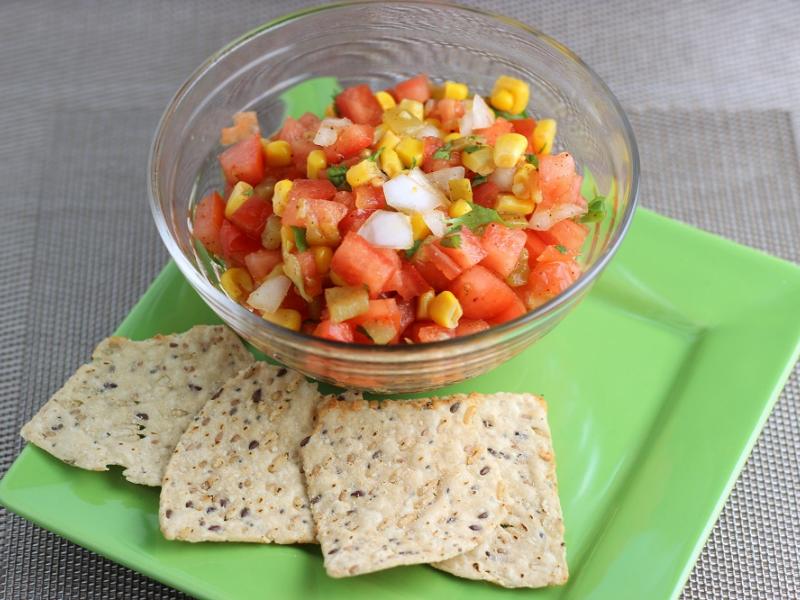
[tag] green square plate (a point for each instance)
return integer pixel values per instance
(658, 385)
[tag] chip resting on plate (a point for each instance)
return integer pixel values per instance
(527, 548)
(133, 401)
(398, 482)
(235, 474)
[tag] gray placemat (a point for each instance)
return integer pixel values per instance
(710, 88)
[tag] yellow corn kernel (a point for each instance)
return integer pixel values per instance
(330, 111)
(365, 172)
(511, 205)
(419, 228)
(435, 122)
(520, 184)
(280, 197)
(287, 240)
(481, 161)
(285, 317)
(401, 120)
(240, 194)
(455, 90)
(445, 310)
(451, 136)
(543, 136)
(237, 283)
(388, 140)
(336, 279)
(390, 162)
(423, 304)
(409, 150)
(458, 208)
(385, 99)
(415, 107)
(277, 153)
(519, 91)
(322, 258)
(315, 163)
(502, 100)
(460, 189)
(508, 149)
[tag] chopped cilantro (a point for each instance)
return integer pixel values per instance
(472, 148)
(452, 241)
(413, 250)
(337, 175)
(596, 203)
(478, 180)
(533, 159)
(561, 249)
(478, 216)
(374, 156)
(509, 117)
(443, 153)
(596, 211)
(413, 163)
(300, 238)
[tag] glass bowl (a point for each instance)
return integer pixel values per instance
(380, 43)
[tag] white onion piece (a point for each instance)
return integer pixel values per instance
(388, 229)
(503, 178)
(427, 130)
(442, 176)
(436, 222)
(412, 193)
(329, 130)
(542, 220)
(421, 178)
(465, 123)
(270, 294)
(428, 106)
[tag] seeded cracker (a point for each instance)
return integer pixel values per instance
(235, 475)
(527, 549)
(133, 401)
(398, 482)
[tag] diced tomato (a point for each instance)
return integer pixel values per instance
(346, 199)
(292, 130)
(430, 163)
(549, 278)
(534, 245)
(502, 246)
(310, 212)
(524, 127)
(427, 331)
(407, 282)
(470, 326)
(485, 194)
(565, 233)
(369, 197)
(470, 250)
(251, 216)
(417, 88)
(481, 293)
(261, 262)
(312, 282)
(436, 267)
(515, 309)
(244, 125)
(244, 161)
(296, 302)
(359, 263)
(235, 244)
(353, 139)
(354, 220)
(553, 254)
(494, 131)
(320, 189)
(407, 314)
(384, 309)
(208, 218)
(556, 177)
(310, 122)
(359, 104)
(340, 332)
(448, 111)
(332, 156)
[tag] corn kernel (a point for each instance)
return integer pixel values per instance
(519, 90)
(388, 140)
(508, 149)
(390, 162)
(510, 204)
(240, 194)
(459, 208)
(543, 136)
(237, 283)
(415, 107)
(322, 258)
(419, 228)
(336, 279)
(365, 172)
(502, 100)
(423, 304)
(445, 310)
(401, 120)
(385, 99)
(285, 317)
(277, 153)
(315, 163)
(460, 189)
(280, 197)
(410, 151)
(481, 161)
(455, 91)
(451, 136)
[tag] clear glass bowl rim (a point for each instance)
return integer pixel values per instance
(347, 350)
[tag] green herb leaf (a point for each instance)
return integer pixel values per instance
(337, 175)
(374, 156)
(452, 241)
(413, 163)
(596, 211)
(478, 216)
(561, 249)
(443, 153)
(413, 250)
(533, 159)
(300, 238)
(478, 180)
(509, 117)
(472, 148)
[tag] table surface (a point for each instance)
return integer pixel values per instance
(712, 90)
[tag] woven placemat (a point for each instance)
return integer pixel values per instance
(81, 89)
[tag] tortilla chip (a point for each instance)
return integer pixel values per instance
(398, 482)
(130, 405)
(235, 475)
(527, 549)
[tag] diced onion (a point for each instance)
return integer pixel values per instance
(270, 294)
(435, 220)
(542, 220)
(477, 116)
(502, 178)
(329, 130)
(442, 176)
(427, 130)
(388, 229)
(413, 192)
